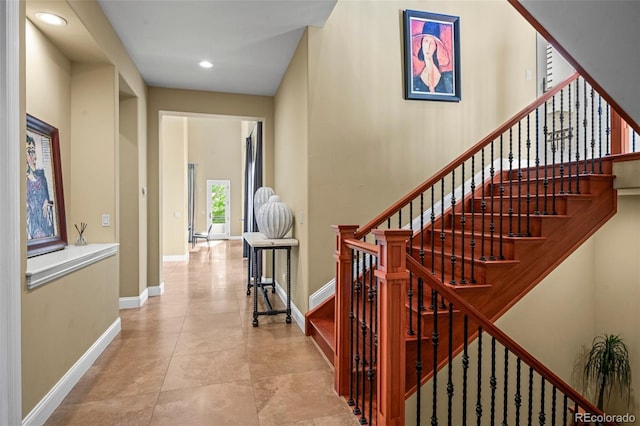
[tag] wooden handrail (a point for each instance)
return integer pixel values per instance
(462, 305)
(462, 158)
(369, 248)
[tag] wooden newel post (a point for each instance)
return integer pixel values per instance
(393, 282)
(342, 322)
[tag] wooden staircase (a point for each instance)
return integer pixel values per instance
(523, 262)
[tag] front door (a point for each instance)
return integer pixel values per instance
(218, 199)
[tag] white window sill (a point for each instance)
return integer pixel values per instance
(51, 266)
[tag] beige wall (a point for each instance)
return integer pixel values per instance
(617, 289)
(174, 178)
(291, 164)
(60, 321)
(366, 145)
(128, 207)
(190, 101)
(94, 134)
(216, 146)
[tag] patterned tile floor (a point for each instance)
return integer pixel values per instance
(191, 357)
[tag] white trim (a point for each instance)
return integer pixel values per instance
(235, 237)
(134, 301)
(48, 267)
(10, 224)
(54, 397)
(297, 316)
(156, 290)
(323, 293)
(176, 258)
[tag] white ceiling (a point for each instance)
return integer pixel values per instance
(250, 42)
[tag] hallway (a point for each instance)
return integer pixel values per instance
(191, 357)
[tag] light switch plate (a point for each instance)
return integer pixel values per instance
(106, 220)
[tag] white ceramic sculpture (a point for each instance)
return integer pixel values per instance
(274, 218)
(260, 197)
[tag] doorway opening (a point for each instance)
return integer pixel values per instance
(218, 208)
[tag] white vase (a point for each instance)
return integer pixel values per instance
(275, 218)
(260, 197)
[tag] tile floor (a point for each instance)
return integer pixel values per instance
(191, 357)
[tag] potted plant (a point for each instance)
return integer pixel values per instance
(607, 366)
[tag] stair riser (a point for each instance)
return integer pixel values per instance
(542, 205)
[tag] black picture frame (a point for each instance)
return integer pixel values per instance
(435, 76)
(46, 221)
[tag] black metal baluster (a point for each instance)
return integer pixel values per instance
(501, 216)
(492, 225)
(608, 130)
(530, 408)
(434, 380)
(542, 415)
(465, 368)
(519, 233)
(553, 156)
(561, 141)
(483, 209)
(528, 199)
(553, 406)
(363, 329)
(473, 215)
(545, 182)
(537, 185)
(593, 138)
(565, 409)
(370, 374)
(442, 235)
(510, 210)
(599, 134)
(492, 380)
(410, 250)
(577, 136)
(505, 403)
(453, 228)
(584, 123)
(356, 371)
(389, 223)
(450, 368)
(419, 351)
(570, 137)
(400, 218)
(518, 397)
(354, 278)
(433, 232)
(479, 388)
(463, 222)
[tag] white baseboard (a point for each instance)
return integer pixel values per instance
(157, 290)
(322, 294)
(235, 237)
(176, 258)
(296, 315)
(135, 301)
(47, 405)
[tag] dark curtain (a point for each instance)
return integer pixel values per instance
(257, 166)
(248, 199)
(191, 193)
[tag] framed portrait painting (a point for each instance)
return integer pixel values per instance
(431, 56)
(46, 223)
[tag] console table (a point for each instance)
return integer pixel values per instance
(259, 242)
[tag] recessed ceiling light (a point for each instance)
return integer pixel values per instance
(50, 18)
(206, 64)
